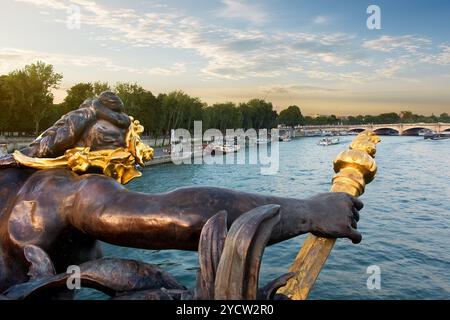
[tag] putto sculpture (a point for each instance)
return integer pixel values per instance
(64, 192)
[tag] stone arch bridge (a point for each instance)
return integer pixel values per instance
(401, 128)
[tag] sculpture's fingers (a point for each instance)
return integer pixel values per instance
(358, 204)
(353, 223)
(355, 214)
(40, 263)
(238, 270)
(269, 290)
(355, 236)
(212, 239)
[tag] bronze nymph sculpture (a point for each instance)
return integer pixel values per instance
(64, 192)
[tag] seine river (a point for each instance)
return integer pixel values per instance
(405, 222)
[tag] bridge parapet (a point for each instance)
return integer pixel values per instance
(400, 127)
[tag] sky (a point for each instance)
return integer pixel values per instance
(319, 55)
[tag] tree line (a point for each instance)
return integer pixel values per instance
(26, 105)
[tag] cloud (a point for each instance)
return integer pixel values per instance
(407, 43)
(407, 52)
(392, 66)
(51, 4)
(235, 9)
(230, 53)
(295, 89)
(320, 20)
(13, 58)
(234, 54)
(177, 68)
(442, 57)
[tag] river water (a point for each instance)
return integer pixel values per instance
(405, 222)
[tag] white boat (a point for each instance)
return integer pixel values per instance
(328, 141)
(262, 141)
(438, 136)
(224, 149)
(285, 138)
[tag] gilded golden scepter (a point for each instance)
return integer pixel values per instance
(354, 169)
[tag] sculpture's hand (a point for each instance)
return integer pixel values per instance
(335, 215)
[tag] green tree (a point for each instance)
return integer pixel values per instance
(31, 88)
(222, 116)
(140, 104)
(292, 116)
(179, 110)
(390, 117)
(82, 91)
(407, 117)
(258, 114)
(99, 87)
(77, 94)
(5, 104)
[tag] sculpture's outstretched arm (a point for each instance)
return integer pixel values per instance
(107, 211)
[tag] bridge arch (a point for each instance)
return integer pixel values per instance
(386, 131)
(356, 129)
(414, 131)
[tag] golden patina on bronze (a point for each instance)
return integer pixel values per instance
(119, 163)
(141, 152)
(366, 141)
(354, 169)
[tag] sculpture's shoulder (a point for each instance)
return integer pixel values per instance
(63, 134)
(36, 213)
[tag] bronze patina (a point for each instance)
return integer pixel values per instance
(64, 192)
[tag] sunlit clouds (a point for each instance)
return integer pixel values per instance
(233, 54)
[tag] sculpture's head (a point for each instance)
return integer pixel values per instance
(98, 135)
(110, 100)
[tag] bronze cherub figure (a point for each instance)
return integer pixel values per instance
(64, 192)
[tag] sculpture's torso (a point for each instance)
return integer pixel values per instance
(40, 222)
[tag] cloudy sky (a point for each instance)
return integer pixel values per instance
(317, 54)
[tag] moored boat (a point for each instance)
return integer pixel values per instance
(262, 141)
(438, 136)
(285, 138)
(328, 141)
(224, 149)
